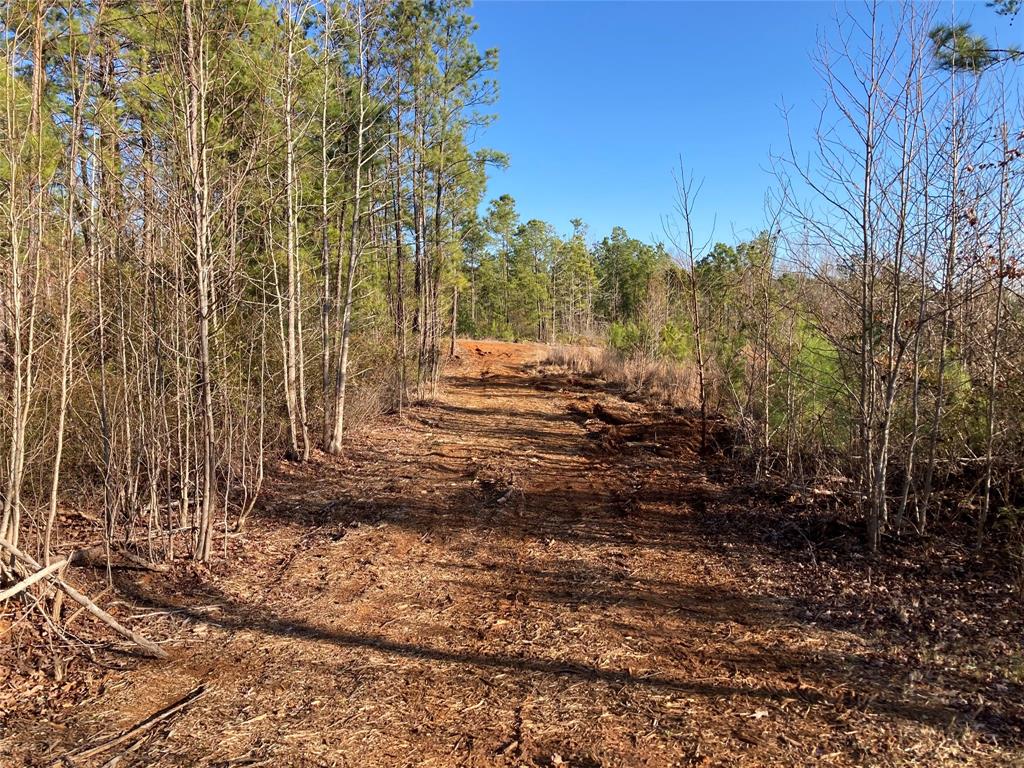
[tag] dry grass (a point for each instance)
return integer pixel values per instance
(665, 382)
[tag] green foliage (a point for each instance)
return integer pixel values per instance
(717, 270)
(635, 338)
(676, 342)
(1005, 7)
(956, 48)
(624, 267)
(627, 338)
(16, 95)
(522, 279)
(816, 380)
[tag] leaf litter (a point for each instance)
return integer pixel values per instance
(533, 572)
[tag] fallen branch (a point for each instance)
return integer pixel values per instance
(142, 726)
(148, 646)
(74, 616)
(38, 576)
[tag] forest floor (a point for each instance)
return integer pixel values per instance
(501, 578)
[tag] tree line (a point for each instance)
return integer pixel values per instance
(221, 220)
(521, 280)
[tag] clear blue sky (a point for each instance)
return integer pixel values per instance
(599, 100)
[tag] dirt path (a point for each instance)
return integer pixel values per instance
(484, 584)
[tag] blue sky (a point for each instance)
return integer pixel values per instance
(599, 100)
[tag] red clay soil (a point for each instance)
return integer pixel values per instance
(495, 580)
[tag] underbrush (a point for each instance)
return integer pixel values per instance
(811, 487)
(661, 381)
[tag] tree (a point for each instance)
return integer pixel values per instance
(625, 266)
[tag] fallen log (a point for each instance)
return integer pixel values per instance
(96, 557)
(149, 647)
(615, 413)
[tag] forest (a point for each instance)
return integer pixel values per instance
(246, 243)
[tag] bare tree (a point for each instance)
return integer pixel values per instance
(680, 232)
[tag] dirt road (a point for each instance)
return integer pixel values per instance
(483, 583)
